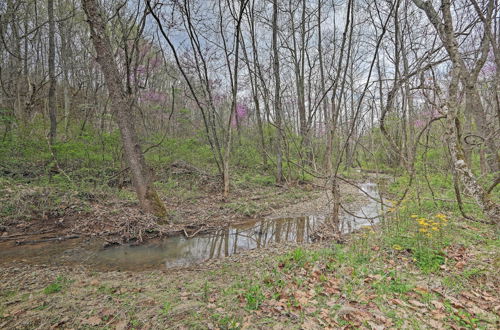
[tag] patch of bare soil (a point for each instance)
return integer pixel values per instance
(321, 205)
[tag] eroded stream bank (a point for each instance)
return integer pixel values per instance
(181, 251)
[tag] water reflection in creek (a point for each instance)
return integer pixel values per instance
(180, 251)
(366, 215)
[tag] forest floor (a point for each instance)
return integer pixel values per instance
(381, 277)
(192, 207)
(362, 283)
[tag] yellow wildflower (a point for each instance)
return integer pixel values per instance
(397, 247)
(435, 228)
(441, 216)
(422, 230)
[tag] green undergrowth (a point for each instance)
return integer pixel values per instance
(381, 277)
(57, 286)
(86, 166)
(420, 264)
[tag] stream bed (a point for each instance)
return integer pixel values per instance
(179, 251)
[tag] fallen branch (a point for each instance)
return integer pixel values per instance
(194, 234)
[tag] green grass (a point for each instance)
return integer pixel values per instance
(254, 297)
(56, 286)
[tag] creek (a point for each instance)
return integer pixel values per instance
(179, 251)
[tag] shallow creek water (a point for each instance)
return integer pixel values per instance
(179, 251)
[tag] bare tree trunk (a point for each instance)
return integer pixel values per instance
(121, 105)
(326, 114)
(255, 96)
(254, 80)
(474, 106)
(277, 99)
(234, 87)
(65, 32)
(52, 74)
(453, 137)
(444, 28)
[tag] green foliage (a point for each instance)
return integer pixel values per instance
(249, 179)
(246, 154)
(226, 321)
(428, 260)
(191, 150)
(166, 308)
(422, 223)
(56, 286)
(392, 284)
(300, 257)
(254, 297)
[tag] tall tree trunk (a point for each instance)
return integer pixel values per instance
(326, 114)
(255, 95)
(52, 73)
(234, 92)
(277, 99)
(65, 32)
(475, 107)
(254, 80)
(122, 104)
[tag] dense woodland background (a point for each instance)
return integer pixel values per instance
(96, 92)
(161, 122)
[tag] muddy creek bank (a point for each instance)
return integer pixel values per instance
(181, 251)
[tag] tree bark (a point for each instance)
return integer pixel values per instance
(121, 105)
(234, 94)
(459, 72)
(52, 74)
(277, 100)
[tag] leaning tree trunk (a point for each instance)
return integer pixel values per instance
(490, 208)
(121, 105)
(444, 27)
(453, 138)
